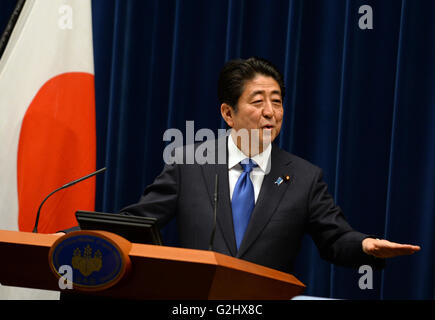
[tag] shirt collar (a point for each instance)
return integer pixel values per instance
(235, 155)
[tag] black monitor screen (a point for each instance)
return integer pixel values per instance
(134, 229)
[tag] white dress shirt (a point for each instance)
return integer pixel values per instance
(235, 155)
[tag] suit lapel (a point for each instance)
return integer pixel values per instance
(268, 199)
(224, 211)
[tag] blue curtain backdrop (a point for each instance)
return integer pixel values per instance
(360, 104)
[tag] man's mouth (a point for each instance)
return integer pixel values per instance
(268, 126)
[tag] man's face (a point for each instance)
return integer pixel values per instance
(259, 107)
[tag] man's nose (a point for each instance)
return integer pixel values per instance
(268, 110)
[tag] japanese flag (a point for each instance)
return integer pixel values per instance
(47, 116)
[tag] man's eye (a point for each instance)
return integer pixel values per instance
(257, 101)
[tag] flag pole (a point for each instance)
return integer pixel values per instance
(10, 26)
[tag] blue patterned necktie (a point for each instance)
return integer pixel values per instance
(243, 200)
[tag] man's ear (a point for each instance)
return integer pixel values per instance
(227, 113)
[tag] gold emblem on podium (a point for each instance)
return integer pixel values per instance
(87, 263)
(84, 251)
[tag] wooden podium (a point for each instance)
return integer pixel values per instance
(157, 272)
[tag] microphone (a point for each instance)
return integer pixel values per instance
(35, 228)
(215, 200)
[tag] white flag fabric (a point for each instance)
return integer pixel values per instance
(47, 116)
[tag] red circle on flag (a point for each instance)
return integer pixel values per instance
(57, 145)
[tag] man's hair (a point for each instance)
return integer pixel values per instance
(236, 73)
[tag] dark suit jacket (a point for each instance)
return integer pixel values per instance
(282, 214)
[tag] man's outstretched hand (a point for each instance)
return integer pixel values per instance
(386, 249)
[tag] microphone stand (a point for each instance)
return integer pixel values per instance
(35, 228)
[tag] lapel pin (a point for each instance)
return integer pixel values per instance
(279, 181)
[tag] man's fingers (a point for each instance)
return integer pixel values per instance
(397, 246)
(387, 249)
(381, 248)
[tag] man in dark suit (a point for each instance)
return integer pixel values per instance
(267, 198)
